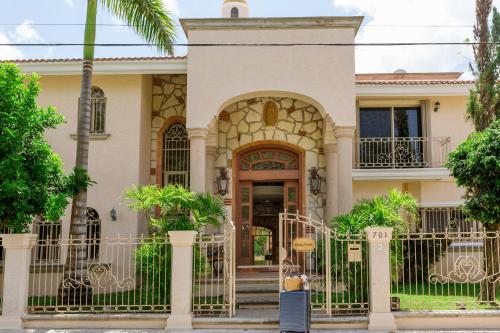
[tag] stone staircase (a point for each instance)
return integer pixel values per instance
(257, 288)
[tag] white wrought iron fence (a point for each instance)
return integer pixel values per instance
(349, 273)
(447, 270)
(129, 275)
(411, 152)
(214, 274)
(336, 266)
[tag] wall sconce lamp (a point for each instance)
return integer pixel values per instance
(112, 213)
(437, 106)
(222, 182)
(315, 181)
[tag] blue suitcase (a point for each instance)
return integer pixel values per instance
(295, 311)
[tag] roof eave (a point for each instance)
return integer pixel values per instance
(122, 67)
(316, 22)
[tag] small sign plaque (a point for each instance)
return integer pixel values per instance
(304, 244)
(354, 252)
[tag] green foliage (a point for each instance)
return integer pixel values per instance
(475, 164)
(167, 209)
(149, 18)
(32, 181)
(483, 105)
(175, 208)
(392, 210)
(154, 266)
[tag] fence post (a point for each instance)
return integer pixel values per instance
(16, 278)
(182, 280)
(381, 317)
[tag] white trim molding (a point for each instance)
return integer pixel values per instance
(401, 174)
(163, 66)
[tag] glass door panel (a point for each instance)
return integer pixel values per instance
(408, 145)
(375, 127)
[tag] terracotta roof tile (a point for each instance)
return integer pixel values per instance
(96, 59)
(412, 82)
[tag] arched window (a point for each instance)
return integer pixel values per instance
(235, 13)
(175, 156)
(98, 111)
(93, 233)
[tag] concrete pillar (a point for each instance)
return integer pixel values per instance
(381, 317)
(331, 181)
(16, 278)
(182, 280)
(211, 155)
(345, 140)
(198, 141)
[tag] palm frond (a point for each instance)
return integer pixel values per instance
(149, 18)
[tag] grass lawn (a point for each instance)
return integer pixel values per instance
(450, 296)
(126, 301)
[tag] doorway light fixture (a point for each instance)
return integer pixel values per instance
(315, 181)
(112, 213)
(437, 106)
(222, 182)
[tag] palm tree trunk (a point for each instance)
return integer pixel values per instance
(75, 288)
(490, 264)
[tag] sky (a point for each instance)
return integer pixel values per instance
(23, 21)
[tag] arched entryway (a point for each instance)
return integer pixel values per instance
(268, 177)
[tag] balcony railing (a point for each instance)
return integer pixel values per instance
(395, 153)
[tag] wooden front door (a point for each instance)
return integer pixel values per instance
(270, 163)
(244, 232)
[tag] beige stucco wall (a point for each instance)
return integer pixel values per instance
(114, 163)
(450, 120)
(369, 189)
(322, 76)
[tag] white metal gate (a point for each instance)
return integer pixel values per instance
(335, 264)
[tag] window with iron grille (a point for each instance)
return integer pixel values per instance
(175, 156)
(93, 233)
(440, 219)
(49, 233)
(97, 111)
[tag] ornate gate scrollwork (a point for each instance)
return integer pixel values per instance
(466, 269)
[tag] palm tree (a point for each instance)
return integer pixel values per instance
(152, 22)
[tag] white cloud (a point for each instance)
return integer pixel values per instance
(9, 52)
(172, 6)
(70, 3)
(25, 33)
(412, 13)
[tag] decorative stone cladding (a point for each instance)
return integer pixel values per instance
(299, 123)
(169, 100)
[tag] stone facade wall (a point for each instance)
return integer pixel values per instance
(169, 100)
(298, 123)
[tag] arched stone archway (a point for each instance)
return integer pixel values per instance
(298, 123)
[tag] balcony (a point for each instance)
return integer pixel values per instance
(412, 157)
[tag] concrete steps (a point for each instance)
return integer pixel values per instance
(257, 293)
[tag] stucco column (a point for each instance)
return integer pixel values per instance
(16, 278)
(381, 317)
(198, 142)
(182, 280)
(211, 154)
(345, 140)
(331, 181)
